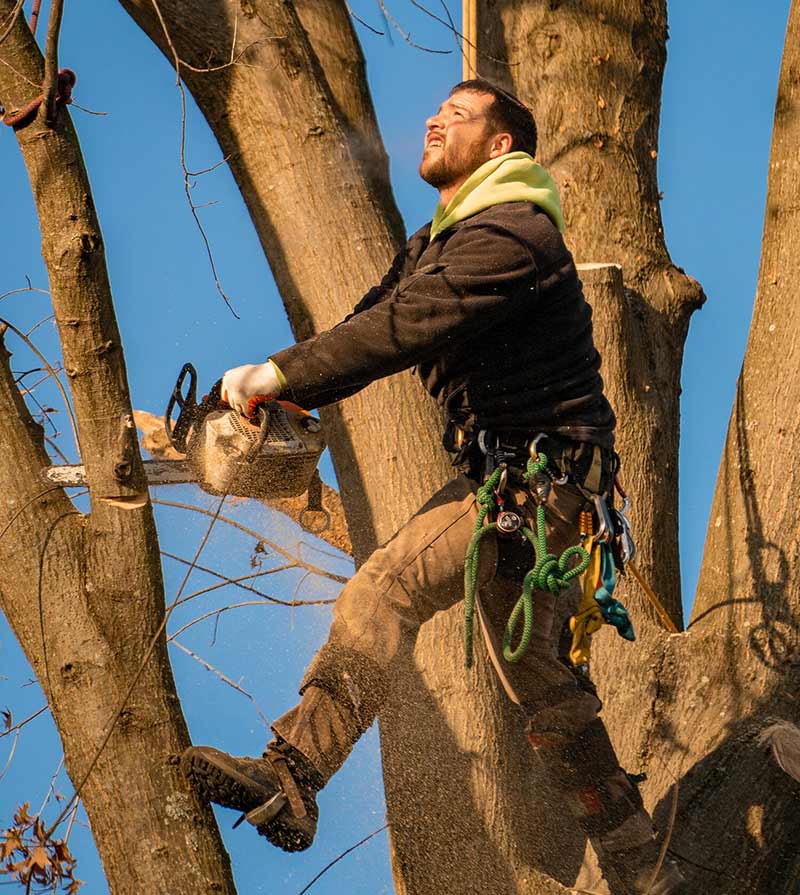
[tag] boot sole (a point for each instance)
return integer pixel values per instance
(220, 782)
(215, 778)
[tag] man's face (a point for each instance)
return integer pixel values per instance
(457, 140)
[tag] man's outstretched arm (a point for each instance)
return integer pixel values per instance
(484, 274)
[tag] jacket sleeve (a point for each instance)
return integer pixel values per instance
(484, 274)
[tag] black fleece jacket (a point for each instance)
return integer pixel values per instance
(491, 314)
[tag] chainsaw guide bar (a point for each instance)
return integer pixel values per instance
(158, 472)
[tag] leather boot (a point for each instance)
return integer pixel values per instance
(341, 693)
(275, 793)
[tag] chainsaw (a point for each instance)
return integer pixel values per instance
(274, 455)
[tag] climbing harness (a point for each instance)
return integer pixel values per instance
(549, 573)
(604, 550)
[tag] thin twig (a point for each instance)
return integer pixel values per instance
(10, 755)
(407, 37)
(346, 852)
(225, 679)
(71, 822)
(233, 60)
(266, 598)
(27, 288)
(53, 373)
(259, 537)
(237, 582)
(50, 86)
(186, 175)
(51, 789)
(461, 39)
(362, 22)
(36, 326)
(25, 721)
(217, 613)
(88, 111)
(56, 448)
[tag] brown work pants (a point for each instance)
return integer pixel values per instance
(419, 572)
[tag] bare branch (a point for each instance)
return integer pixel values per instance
(338, 858)
(361, 21)
(27, 288)
(407, 37)
(237, 582)
(7, 765)
(225, 679)
(214, 613)
(51, 788)
(53, 373)
(50, 86)
(25, 721)
(186, 174)
(249, 531)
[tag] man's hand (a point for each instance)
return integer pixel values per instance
(241, 385)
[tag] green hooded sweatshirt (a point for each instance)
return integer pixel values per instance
(514, 177)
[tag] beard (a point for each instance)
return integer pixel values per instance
(447, 166)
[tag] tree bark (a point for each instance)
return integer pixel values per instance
(737, 669)
(84, 594)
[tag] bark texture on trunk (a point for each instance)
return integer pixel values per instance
(84, 594)
(737, 670)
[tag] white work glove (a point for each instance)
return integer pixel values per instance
(245, 387)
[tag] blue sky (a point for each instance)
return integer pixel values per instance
(713, 155)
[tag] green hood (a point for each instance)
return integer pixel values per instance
(514, 177)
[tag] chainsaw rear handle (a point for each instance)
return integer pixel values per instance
(178, 431)
(190, 412)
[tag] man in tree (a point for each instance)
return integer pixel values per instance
(486, 304)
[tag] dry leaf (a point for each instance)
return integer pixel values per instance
(601, 102)
(22, 818)
(6, 713)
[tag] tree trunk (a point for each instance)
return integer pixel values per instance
(737, 669)
(84, 594)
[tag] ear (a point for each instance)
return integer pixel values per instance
(501, 144)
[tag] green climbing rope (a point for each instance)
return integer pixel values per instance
(549, 573)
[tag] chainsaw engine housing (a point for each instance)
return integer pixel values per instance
(274, 456)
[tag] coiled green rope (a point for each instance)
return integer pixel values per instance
(549, 572)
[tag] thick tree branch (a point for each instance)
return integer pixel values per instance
(87, 605)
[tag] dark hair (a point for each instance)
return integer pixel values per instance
(506, 113)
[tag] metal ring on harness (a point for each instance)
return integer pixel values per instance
(534, 452)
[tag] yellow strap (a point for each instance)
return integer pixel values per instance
(588, 618)
(662, 613)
